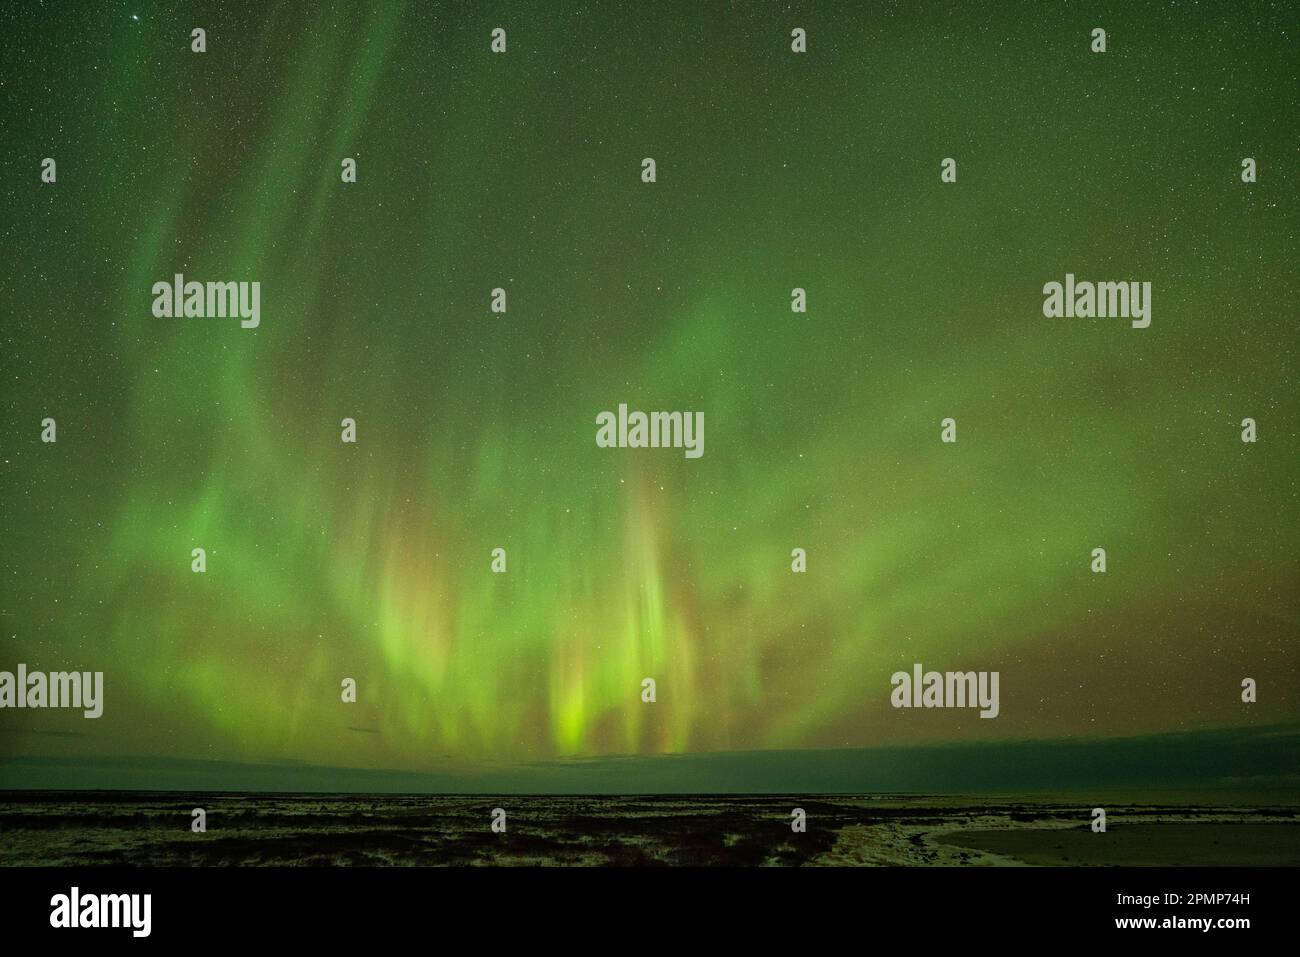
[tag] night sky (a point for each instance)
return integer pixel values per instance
(476, 430)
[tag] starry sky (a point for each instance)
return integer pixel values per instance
(476, 430)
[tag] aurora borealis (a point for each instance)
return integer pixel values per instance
(476, 430)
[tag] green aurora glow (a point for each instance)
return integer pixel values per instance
(477, 430)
